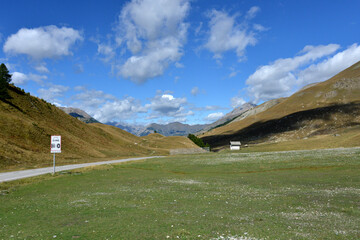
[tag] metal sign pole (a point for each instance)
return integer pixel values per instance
(54, 165)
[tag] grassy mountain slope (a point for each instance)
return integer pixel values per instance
(325, 108)
(26, 124)
(156, 140)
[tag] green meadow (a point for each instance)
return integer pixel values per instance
(229, 195)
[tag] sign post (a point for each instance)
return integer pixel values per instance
(55, 147)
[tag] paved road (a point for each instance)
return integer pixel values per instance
(10, 176)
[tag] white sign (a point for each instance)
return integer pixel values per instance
(55, 144)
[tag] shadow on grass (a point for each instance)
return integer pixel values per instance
(261, 130)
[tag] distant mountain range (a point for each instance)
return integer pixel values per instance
(133, 129)
(170, 129)
(173, 129)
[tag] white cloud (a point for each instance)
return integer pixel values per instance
(198, 29)
(259, 27)
(208, 108)
(154, 32)
(195, 91)
(19, 78)
(106, 107)
(329, 67)
(107, 51)
(42, 68)
(153, 63)
(37, 78)
(91, 100)
(278, 78)
(233, 72)
(252, 12)
(43, 42)
(237, 101)
(168, 106)
(213, 108)
(120, 109)
(214, 116)
(52, 93)
(226, 34)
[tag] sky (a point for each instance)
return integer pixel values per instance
(162, 61)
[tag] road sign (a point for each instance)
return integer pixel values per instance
(55, 144)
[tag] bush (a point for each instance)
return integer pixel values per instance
(198, 141)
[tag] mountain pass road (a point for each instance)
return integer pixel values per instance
(10, 176)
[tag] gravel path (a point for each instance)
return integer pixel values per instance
(10, 176)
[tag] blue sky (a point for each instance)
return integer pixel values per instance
(145, 61)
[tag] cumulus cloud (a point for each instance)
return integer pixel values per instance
(106, 107)
(19, 78)
(227, 34)
(43, 42)
(166, 105)
(329, 67)
(154, 32)
(214, 116)
(278, 78)
(120, 109)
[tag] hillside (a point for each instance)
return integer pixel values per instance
(27, 122)
(326, 108)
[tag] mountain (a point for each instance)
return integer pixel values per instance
(258, 109)
(172, 129)
(27, 122)
(328, 108)
(236, 112)
(79, 114)
(133, 129)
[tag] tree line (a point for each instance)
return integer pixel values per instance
(198, 141)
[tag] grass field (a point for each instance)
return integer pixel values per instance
(230, 195)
